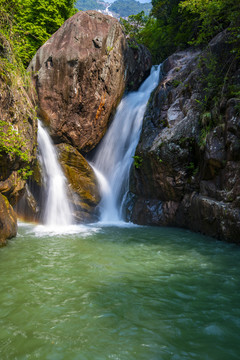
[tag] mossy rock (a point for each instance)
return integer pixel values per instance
(8, 220)
(36, 175)
(18, 130)
(82, 181)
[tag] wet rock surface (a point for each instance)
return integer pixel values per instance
(190, 170)
(83, 187)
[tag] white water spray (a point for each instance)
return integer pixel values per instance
(57, 208)
(115, 154)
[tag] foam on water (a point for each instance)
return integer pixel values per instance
(43, 230)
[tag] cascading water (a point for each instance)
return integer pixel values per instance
(57, 208)
(106, 11)
(115, 155)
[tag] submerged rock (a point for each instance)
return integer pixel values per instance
(80, 75)
(189, 148)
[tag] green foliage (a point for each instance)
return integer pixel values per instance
(176, 82)
(191, 166)
(12, 71)
(126, 8)
(137, 161)
(34, 21)
(134, 24)
(203, 136)
(192, 169)
(25, 172)
(14, 81)
(175, 24)
(234, 90)
(132, 44)
(219, 82)
(159, 159)
(212, 80)
(164, 30)
(12, 143)
(213, 16)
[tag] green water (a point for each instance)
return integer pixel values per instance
(119, 293)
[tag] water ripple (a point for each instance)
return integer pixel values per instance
(119, 293)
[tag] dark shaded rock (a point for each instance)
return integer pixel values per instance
(209, 216)
(150, 211)
(28, 208)
(190, 169)
(214, 154)
(80, 75)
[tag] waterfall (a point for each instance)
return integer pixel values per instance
(108, 12)
(115, 154)
(57, 208)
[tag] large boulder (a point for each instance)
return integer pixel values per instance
(80, 75)
(189, 147)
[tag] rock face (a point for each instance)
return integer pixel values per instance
(80, 74)
(18, 139)
(8, 221)
(83, 183)
(82, 188)
(189, 146)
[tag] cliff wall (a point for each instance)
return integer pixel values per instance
(18, 140)
(188, 170)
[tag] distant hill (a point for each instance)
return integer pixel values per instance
(90, 5)
(119, 8)
(124, 8)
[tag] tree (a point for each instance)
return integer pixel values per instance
(176, 24)
(165, 30)
(36, 20)
(214, 16)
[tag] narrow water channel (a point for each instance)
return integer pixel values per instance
(122, 293)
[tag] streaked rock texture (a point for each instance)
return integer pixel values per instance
(190, 172)
(80, 75)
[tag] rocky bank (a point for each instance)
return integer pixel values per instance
(188, 171)
(18, 140)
